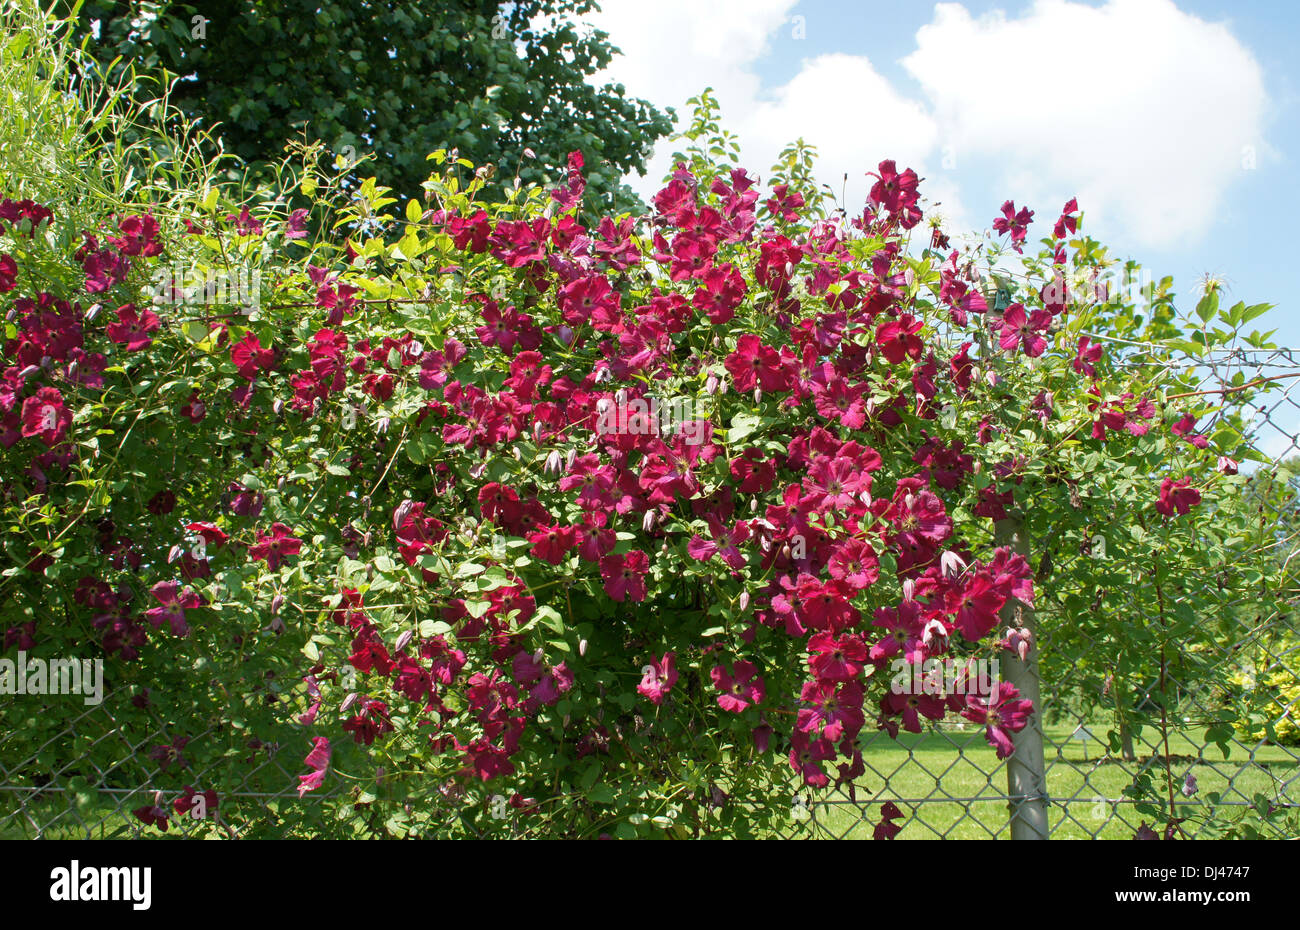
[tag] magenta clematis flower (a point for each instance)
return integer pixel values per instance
(1177, 497)
(740, 688)
(1002, 712)
(318, 760)
(625, 575)
(1025, 329)
(725, 543)
(296, 226)
(45, 417)
(807, 756)
(836, 658)
(1015, 223)
(132, 328)
(175, 601)
(854, 564)
(274, 546)
(887, 829)
(659, 678)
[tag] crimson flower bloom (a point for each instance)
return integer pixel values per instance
(274, 546)
(754, 364)
(1003, 712)
(625, 575)
(1024, 329)
(45, 417)
(1017, 224)
(318, 760)
(175, 601)
(887, 829)
(659, 678)
(833, 658)
(132, 328)
(1086, 357)
(1177, 496)
(740, 688)
(8, 273)
(186, 802)
(807, 755)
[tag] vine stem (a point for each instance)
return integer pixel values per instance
(1234, 390)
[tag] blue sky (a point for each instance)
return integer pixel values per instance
(1174, 121)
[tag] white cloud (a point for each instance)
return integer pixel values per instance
(672, 50)
(1139, 108)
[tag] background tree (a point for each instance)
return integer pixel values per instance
(392, 81)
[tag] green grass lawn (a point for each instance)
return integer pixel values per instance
(962, 792)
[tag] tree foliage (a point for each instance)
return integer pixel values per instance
(391, 81)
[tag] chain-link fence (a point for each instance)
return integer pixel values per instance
(1217, 725)
(1213, 726)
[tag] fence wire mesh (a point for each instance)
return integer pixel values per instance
(1219, 725)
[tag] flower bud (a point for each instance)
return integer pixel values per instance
(744, 601)
(951, 563)
(554, 463)
(348, 702)
(909, 588)
(648, 521)
(404, 640)
(277, 602)
(582, 647)
(277, 406)
(711, 384)
(758, 395)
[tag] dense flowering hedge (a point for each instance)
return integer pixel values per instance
(496, 517)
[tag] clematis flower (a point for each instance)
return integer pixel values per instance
(855, 564)
(836, 658)
(1086, 357)
(8, 273)
(624, 575)
(44, 417)
(724, 543)
(740, 688)
(188, 801)
(1015, 223)
(887, 829)
(174, 601)
(1177, 497)
(807, 756)
(1024, 329)
(318, 761)
(275, 545)
(245, 224)
(659, 678)
(1003, 713)
(296, 226)
(132, 328)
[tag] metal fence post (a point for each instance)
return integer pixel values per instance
(1026, 769)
